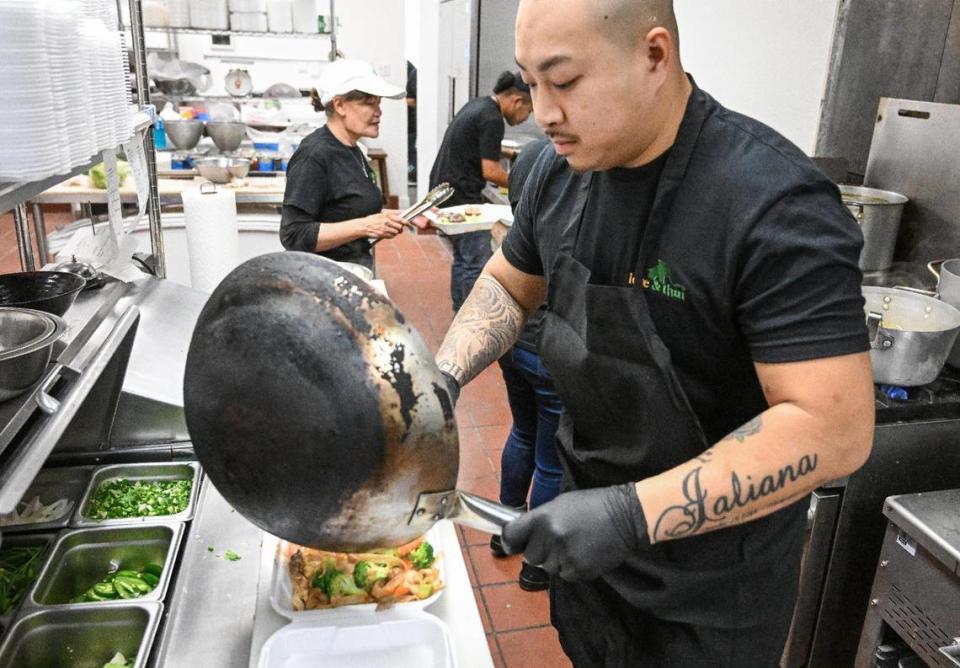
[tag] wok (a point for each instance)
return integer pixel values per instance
(318, 412)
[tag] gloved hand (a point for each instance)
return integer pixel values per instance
(453, 387)
(581, 534)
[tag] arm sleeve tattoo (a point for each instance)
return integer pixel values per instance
(486, 326)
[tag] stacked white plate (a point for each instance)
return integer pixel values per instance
(64, 82)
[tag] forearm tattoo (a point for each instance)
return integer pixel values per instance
(704, 509)
(487, 324)
(747, 429)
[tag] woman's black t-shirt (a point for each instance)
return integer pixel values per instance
(327, 182)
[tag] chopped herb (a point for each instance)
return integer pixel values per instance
(139, 498)
(209, 548)
(230, 555)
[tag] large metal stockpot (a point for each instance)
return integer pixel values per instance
(878, 212)
(948, 290)
(911, 335)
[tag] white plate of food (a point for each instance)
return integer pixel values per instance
(313, 584)
(469, 217)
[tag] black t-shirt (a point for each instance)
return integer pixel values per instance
(474, 134)
(622, 198)
(327, 182)
(757, 261)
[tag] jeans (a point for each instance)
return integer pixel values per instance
(470, 253)
(530, 452)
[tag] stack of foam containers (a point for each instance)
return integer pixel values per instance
(248, 15)
(209, 14)
(178, 13)
(66, 93)
(280, 15)
(305, 16)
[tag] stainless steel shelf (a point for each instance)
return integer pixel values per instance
(13, 193)
(241, 33)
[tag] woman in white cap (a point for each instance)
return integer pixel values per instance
(332, 205)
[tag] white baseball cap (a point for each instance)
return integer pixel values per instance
(344, 75)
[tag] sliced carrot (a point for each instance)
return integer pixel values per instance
(404, 550)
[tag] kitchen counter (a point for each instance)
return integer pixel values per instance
(221, 613)
(251, 190)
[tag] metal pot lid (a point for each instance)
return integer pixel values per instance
(864, 196)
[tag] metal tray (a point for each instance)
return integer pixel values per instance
(50, 485)
(156, 471)
(81, 557)
(81, 636)
(25, 540)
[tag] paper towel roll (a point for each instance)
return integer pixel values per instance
(213, 238)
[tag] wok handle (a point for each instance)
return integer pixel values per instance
(482, 514)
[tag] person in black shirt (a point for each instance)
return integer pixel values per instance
(529, 463)
(411, 122)
(469, 156)
(705, 332)
(332, 204)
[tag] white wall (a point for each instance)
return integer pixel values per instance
(764, 58)
(430, 127)
(373, 30)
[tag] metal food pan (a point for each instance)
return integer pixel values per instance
(150, 471)
(25, 540)
(50, 485)
(82, 557)
(81, 636)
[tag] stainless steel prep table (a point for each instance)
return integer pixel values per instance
(221, 614)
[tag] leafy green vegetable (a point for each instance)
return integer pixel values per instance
(209, 548)
(123, 584)
(118, 661)
(18, 570)
(422, 557)
(98, 174)
(230, 555)
(140, 498)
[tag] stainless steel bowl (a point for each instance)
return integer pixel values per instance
(26, 342)
(227, 135)
(220, 169)
(185, 134)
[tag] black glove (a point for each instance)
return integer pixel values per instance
(581, 534)
(453, 387)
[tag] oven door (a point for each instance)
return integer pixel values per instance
(821, 527)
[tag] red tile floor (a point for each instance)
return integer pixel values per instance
(417, 273)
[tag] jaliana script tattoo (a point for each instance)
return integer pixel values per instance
(747, 429)
(702, 508)
(486, 326)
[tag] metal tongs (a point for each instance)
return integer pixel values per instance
(435, 197)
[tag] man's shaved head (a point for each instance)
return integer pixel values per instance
(605, 76)
(626, 21)
(629, 20)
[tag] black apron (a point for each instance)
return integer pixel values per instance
(688, 602)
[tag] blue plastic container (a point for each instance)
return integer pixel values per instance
(159, 136)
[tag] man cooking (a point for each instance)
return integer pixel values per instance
(469, 156)
(705, 331)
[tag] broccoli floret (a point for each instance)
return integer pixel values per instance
(422, 557)
(424, 591)
(335, 583)
(365, 573)
(343, 585)
(323, 579)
